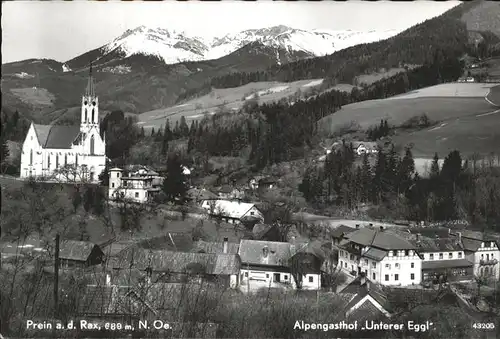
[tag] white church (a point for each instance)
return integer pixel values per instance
(67, 153)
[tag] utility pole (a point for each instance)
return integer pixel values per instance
(56, 278)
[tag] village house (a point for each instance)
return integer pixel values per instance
(229, 192)
(79, 254)
(383, 257)
(362, 147)
(482, 250)
(138, 186)
(262, 182)
(367, 300)
(169, 266)
(340, 233)
(232, 211)
(274, 264)
(67, 153)
(198, 195)
(443, 260)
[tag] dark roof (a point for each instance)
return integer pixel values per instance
(172, 241)
(476, 235)
(471, 244)
(436, 264)
(367, 311)
(260, 230)
(75, 250)
(176, 262)
(314, 248)
(375, 253)
(341, 230)
(437, 245)
(201, 194)
(42, 132)
(251, 252)
(215, 247)
(381, 239)
(226, 189)
(360, 288)
(61, 136)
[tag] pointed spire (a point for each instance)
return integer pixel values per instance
(90, 91)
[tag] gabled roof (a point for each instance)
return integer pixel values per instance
(201, 194)
(361, 287)
(375, 253)
(425, 244)
(232, 209)
(75, 250)
(251, 252)
(381, 239)
(176, 262)
(42, 132)
(215, 247)
(471, 244)
(62, 136)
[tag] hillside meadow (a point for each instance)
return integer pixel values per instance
(462, 119)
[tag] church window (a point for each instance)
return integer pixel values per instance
(93, 103)
(93, 115)
(65, 159)
(57, 160)
(85, 119)
(48, 161)
(85, 103)
(92, 142)
(76, 160)
(31, 157)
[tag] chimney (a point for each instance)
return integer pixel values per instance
(459, 237)
(224, 250)
(357, 226)
(108, 280)
(265, 251)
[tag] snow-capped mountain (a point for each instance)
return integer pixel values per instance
(175, 47)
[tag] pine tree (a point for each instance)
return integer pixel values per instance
(174, 184)
(142, 133)
(366, 179)
(406, 171)
(378, 184)
(153, 132)
(4, 150)
(434, 171)
(183, 128)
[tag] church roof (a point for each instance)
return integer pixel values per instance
(55, 136)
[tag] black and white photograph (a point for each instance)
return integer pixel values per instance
(262, 169)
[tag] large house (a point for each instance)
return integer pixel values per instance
(67, 153)
(232, 211)
(279, 264)
(443, 260)
(362, 147)
(482, 250)
(382, 256)
(138, 185)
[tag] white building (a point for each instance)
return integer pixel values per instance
(231, 211)
(362, 147)
(67, 153)
(270, 264)
(483, 251)
(383, 257)
(139, 185)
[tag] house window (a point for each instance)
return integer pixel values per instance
(390, 253)
(388, 266)
(482, 256)
(396, 277)
(246, 274)
(491, 244)
(440, 255)
(345, 265)
(31, 157)
(311, 279)
(431, 256)
(286, 277)
(112, 185)
(137, 194)
(412, 265)
(374, 264)
(459, 254)
(412, 276)
(252, 213)
(397, 265)
(373, 275)
(267, 275)
(387, 277)
(450, 255)
(407, 252)
(366, 261)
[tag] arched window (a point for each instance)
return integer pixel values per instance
(85, 119)
(48, 161)
(92, 141)
(31, 157)
(93, 115)
(76, 160)
(57, 160)
(65, 159)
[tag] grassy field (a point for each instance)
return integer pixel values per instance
(231, 98)
(465, 121)
(369, 79)
(34, 96)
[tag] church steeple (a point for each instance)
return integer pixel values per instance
(90, 90)
(90, 105)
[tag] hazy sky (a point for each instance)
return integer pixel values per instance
(62, 30)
